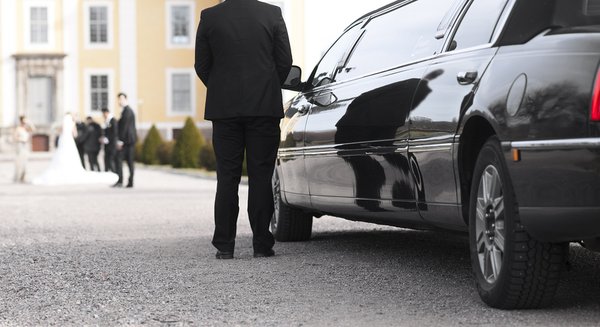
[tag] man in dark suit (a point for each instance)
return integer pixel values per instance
(126, 143)
(80, 140)
(243, 57)
(91, 144)
(110, 137)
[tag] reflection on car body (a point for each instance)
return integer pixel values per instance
(480, 116)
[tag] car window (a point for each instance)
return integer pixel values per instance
(478, 24)
(449, 18)
(575, 13)
(325, 71)
(400, 36)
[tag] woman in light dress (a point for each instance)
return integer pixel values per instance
(22, 136)
(65, 167)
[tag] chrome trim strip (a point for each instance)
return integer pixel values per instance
(322, 153)
(563, 144)
(430, 148)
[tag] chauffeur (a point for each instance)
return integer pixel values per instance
(243, 57)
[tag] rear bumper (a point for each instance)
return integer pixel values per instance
(557, 185)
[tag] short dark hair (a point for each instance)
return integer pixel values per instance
(122, 94)
(21, 119)
(105, 110)
(89, 118)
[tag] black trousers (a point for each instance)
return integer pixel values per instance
(110, 160)
(93, 160)
(81, 152)
(127, 153)
(259, 138)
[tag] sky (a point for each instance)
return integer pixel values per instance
(327, 19)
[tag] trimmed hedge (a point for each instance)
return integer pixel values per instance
(186, 152)
(138, 151)
(150, 147)
(165, 152)
(207, 158)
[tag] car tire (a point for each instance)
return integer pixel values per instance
(512, 269)
(288, 224)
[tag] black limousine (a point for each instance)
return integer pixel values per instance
(480, 116)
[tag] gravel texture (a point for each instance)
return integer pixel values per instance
(98, 256)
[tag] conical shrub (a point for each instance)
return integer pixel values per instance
(186, 152)
(152, 143)
(208, 159)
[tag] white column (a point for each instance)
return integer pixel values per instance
(128, 51)
(71, 87)
(8, 26)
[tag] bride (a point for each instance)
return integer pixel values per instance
(65, 167)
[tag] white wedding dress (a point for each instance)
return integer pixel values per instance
(65, 167)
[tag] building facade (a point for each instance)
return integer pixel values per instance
(59, 56)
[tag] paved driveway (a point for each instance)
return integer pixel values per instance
(98, 256)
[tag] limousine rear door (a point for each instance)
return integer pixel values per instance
(450, 83)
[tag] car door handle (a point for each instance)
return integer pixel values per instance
(304, 109)
(466, 78)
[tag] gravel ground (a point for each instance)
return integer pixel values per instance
(97, 256)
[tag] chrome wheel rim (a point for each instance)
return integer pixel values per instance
(276, 202)
(490, 224)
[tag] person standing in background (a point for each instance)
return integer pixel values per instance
(91, 145)
(109, 139)
(243, 56)
(126, 143)
(22, 138)
(80, 138)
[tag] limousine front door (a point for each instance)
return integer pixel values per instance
(450, 83)
(357, 146)
(292, 169)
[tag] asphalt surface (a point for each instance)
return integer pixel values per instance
(90, 255)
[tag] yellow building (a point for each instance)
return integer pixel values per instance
(59, 56)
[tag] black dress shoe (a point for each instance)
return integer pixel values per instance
(264, 254)
(130, 185)
(118, 185)
(224, 255)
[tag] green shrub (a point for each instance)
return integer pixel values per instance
(150, 147)
(138, 151)
(207, 158)
(187, 147)
(165, 152)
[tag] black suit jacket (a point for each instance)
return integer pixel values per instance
(92, 138)
(111, 132)
(127, 129)
(243, 56)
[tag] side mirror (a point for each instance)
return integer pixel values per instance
(294, 80)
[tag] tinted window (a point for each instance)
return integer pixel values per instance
(325, 71)
(478, 24)
(571, 13)
(397, 37)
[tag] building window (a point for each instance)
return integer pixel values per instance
(99, 24)
(39, 25)
(180, 18)
(98, 92)
(181, 94)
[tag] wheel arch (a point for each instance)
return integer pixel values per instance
(475, 132)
